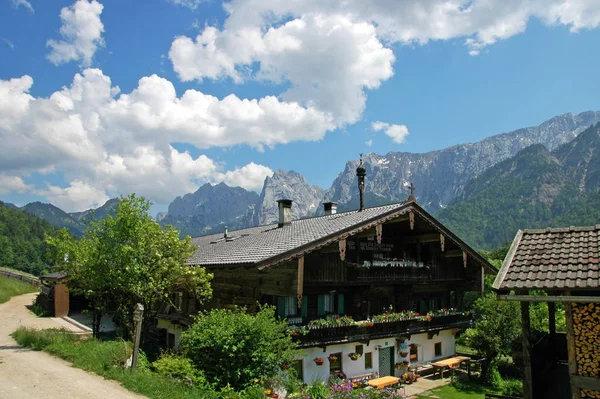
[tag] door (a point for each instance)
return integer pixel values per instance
(386, 361)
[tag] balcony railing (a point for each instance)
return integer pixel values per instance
(371, 330)
(358, 274)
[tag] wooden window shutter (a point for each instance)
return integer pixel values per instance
(422, 306)
(304, 309)
(341, 309)
(320, 305)
(281, 307)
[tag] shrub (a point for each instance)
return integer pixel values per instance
(512, 387)
(494, 378)
(234, 347)
(179, 368)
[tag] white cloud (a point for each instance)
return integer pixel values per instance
(10, 184)
(369, 143)
(81, 33)
(250, 177)
(191, 4)
(24, 3)
(397, 133)
(8, 43)
(79, 196)
(107, 143)
(329, 61)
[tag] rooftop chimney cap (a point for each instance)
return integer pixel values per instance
(330, 208)
(361, 171)
(285, 212)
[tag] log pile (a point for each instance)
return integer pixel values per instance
(586, 326)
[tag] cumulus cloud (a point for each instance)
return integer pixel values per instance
(397, 133)
(81, 34)
(10, 184)
(24, 3)
(250, 177)
(369, 143)
(328, 60)
(106, 142)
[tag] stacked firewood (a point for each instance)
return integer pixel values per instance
(586, 326)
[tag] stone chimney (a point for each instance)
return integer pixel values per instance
(285, 212)
(330, 208)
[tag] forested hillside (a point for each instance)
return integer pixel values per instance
(22, 244)
(534, 189)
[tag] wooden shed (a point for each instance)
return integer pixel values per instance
(564, 264)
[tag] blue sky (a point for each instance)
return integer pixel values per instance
(92, 101)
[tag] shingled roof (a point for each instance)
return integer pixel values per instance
(552, 259)
(267, 245)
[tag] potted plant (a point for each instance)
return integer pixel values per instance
(333, 358)
(354, 356)
(319, 361)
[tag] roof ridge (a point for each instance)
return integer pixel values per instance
(305, 218)
(561, 229)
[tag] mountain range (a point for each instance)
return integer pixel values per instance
(549, 169)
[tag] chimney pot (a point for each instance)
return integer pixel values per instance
(330, 208)
(285, 212)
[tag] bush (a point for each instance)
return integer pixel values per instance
(512, 387)
(494, 378)
(234, 347)
(179, 368)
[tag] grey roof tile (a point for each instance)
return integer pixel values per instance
(562, 258)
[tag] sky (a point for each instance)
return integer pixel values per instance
(103, 98)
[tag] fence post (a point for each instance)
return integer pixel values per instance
(138, 313)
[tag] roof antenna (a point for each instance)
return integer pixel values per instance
(225, 234)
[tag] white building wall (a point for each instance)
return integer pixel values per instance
(426, 351)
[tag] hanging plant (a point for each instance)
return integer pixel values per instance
(354, 356)
(319, 361)
(403, 354)
(333, 358)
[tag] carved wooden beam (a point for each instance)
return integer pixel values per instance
(300, 280)
(411, 218)
(442, 242)
(453, 253)
(465, 259)
(379, 231)
(431, 334)
(342, 246)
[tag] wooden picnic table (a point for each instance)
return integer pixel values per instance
(450, 363)
(383, 382)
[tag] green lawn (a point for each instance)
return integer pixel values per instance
(10, 287)
(462, 390)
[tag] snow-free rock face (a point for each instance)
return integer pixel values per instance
(440, 176)
(210, 209)
(287, 185)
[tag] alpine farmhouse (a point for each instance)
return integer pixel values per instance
(365, 292)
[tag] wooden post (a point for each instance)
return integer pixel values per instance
(552, 318)
(482, 281)
(527, 376)
(300, 280)
(138, 314)
(571, 357)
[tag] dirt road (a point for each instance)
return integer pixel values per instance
(29, 374)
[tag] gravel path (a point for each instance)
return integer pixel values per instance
(29, 374)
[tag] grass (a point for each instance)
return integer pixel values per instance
(107, 359)
(10, 287)
(460, 390)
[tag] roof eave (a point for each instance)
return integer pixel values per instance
(507, 261)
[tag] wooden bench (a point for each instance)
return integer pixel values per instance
(425, 369)
(495, 396)
(364, 377)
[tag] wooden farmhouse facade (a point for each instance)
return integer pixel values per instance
(364, 291)
(560, 265)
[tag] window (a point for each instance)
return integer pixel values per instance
(170, 341)
(358, 349)
(438, 349)
(299, 367)
(335, 362)
(368, 360)
(329, 305)
(414, 353)
(291, 304)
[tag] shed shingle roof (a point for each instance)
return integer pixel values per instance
(552, 259)
(269, 244)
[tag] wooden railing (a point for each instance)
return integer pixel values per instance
(357, 274)
(381, 329)
(21, 276)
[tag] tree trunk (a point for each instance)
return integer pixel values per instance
(485, 366)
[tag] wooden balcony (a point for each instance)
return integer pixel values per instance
(356, 275)
(332, 335)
